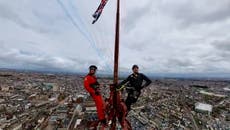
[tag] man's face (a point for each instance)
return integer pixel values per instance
(135, 70)
(92, 71)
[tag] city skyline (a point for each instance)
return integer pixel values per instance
(47, 101)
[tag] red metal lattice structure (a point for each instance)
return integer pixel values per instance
(116, 107)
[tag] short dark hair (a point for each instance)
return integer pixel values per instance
(93, 67)
(135, 66)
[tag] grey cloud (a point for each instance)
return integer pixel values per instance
(195, 12)
(222, 45)
(156, 42)
(22, 58)
(35, 60)
(136, 14)
(82, 61)
(10, 14)
(188, 66)
(221, 49)
(225, 55)
(149, 59)
(211, 57)
(179, 62)
(137, 46)
(214, 60)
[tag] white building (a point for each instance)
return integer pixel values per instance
(203, 107)
(212, 94)
(227, 89)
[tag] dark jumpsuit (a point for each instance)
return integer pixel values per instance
(134, 87)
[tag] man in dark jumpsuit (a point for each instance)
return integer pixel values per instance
(134, 85)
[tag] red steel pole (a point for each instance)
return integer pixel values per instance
(116, 61)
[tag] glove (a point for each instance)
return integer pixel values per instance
(118, 88)
(97, 83)
(94, 86)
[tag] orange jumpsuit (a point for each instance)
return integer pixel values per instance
(89, 82)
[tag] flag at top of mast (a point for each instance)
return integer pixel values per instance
(99, 10)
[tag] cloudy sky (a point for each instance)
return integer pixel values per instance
(161, 36)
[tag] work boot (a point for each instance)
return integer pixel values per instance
(104, 123)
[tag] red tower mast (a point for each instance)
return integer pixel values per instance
(116, 61)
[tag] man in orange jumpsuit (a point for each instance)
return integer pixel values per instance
(92, 86)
